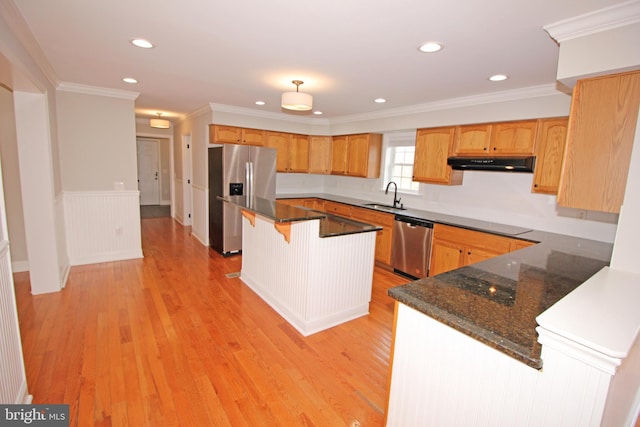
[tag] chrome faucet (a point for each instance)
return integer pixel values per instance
(396, 201)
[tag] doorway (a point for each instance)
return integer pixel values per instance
(148, 171)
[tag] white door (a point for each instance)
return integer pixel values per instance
(148, 171)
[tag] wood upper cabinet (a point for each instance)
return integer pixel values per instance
(298, 155)
(293, 151)
(320, 154)
(496, 139)
(472, 139)
(513, 138)
(357, 155)
(551, 139)
(602, 121)
(339, 155)
(433, 147)
(222, 134)
(455, 247)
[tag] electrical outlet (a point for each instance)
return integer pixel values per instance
(582, 214)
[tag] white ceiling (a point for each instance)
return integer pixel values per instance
(347, 52)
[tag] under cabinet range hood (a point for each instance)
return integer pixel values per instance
(505, 164)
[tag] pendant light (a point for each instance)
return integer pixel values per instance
(160, 123)
(297, 101)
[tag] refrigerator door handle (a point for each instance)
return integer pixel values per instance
(250, 182)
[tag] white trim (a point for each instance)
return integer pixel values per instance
(597, 21)
(95, 90)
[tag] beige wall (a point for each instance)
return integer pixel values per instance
(11, 179)
(97, 141)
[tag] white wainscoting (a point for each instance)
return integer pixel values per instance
(64, 267)
(199, 217)
(102, 226)
(314, 283)
(13, 379)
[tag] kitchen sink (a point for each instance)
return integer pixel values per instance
(382, 206)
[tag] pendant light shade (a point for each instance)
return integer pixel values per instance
(160, 123)
(297, 101)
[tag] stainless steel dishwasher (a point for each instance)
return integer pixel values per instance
(411, 246)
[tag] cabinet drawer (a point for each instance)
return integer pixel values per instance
(372, 217)
(337, 208)
(478, 239)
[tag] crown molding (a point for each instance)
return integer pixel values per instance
(14, 20)
(616, 16)
(268, 115)
(467, 101)
(95, 90)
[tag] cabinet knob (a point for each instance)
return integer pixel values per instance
(460, 250)
(535, 185)
(469, 253)
(485, 148)
(494, 148)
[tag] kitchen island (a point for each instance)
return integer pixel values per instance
(543, 336)
(313, 268)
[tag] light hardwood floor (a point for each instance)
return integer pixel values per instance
(171, 340)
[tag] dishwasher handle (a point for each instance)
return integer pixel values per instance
(414, 222)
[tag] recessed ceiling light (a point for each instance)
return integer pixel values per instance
(129, 80)
(430, 47)
(145, 44)
(380, 100)
(498, 78)
(260, 103)
(317, 113)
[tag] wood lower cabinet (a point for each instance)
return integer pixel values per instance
(455, 247)
(223, 134)
(310, 203)
(552, 135)
(383, 237)
(356, 155)
(433, 147)
(602, 125)
(337, 208)
(293, 151)
(320, 154)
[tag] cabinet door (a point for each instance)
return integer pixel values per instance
(279, 141)
(225, 134)
(357, 155)
(472, 139)
(474, 254)
(253, 137)
(433, 147)
(445, 256)
(339, 155)
(552, 135)
(320, 154)
(298, 153)
(602, 121)
(513, 138)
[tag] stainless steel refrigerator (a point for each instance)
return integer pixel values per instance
(236, 170)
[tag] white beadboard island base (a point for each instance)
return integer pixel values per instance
(590, 374)
(314, 283)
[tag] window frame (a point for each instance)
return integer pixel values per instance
(392, 141)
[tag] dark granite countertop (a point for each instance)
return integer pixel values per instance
(330, 225)
(497, 301)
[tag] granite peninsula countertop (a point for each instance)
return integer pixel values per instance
(330, 225)
(497, 301)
